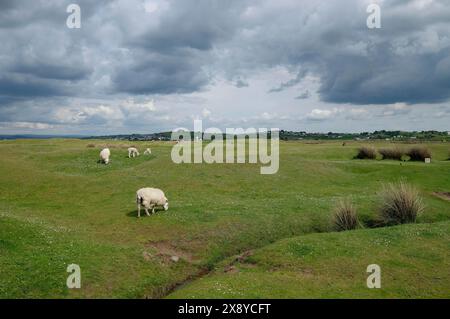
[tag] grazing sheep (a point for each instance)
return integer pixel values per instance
(104, 155)
(151, 198)
(132, 152)
(147, 151)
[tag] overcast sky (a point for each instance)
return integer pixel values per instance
(150, 65)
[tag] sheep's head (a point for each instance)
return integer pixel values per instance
(107, 161)
(166, 206)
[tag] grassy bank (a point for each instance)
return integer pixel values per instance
(59, 206)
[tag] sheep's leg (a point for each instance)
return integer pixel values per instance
(139, 210)
(153, 210)
(146, 211)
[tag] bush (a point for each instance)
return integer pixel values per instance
(400, 204)
(392, 153)
(90, 145)
(345, 217)
(419, 153)
(366, 153)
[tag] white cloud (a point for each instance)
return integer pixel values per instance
(26, 125)
(358, 114)
(206, 113)
(396, 109)
(131, 105)
(322, 114)
(150, 6)
(91, 114)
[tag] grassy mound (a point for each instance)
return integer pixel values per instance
(414, 263)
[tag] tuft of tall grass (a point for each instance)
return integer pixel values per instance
(418, 153)
(345, 216)
(366, 152)
(392, 153)
(400, 203)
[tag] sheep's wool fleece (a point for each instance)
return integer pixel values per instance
(152, 196)
(105, 153)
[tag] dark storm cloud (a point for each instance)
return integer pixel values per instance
(170, 57)
(38, 57)
(164, 47)
(241, 83)
(404, 61)
(303, 96)
(164, 74)
(290, 83)
(52, 71)
(195, 24)
(412, 80)
(22, 87)
(388, 74)
(19, 13)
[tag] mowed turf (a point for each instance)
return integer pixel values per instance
(59, 206)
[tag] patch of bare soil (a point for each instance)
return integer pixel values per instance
(442, 195)
(231, 267)
(242, 257)
(307, 272)
(167, 251)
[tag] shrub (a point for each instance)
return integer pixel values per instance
(90, 145)
(400, 204)
(345, 217)
(366, 153)
(418, 153)
(392, 153)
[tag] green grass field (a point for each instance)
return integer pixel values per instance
(238, 233)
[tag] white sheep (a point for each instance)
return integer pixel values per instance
(133, 152)
(147, 151)
(151, 198)
(104, 155)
